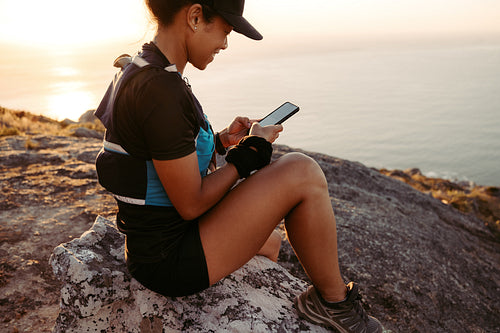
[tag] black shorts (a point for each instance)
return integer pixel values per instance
(183, 272)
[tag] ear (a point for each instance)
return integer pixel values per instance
(194, 16)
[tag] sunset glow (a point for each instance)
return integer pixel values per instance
(68, 100)
(66, 22)
(63, 49)
(62, 22)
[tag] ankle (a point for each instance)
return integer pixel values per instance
(335, 296)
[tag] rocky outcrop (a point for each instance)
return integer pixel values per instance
(422, 265)
(99, 295)
(49, 194)
(467, 197)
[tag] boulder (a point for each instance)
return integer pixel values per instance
(98, 294)
(87, 117)
(83, 132)
(422, 266)
(67, 122)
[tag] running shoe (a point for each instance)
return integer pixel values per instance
(347, 316)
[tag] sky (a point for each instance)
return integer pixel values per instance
(71, 22)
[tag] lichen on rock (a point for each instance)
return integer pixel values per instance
(99, 294)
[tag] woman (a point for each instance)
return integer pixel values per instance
(186, 228)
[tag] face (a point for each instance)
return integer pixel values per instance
(207, 41)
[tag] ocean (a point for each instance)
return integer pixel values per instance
(433, 104)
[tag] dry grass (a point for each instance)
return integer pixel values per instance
(482, 201)
(6, 131)
(96, 125)
(15, 122)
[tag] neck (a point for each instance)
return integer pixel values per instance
(172, 46)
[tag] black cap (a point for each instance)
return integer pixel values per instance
(232, 12)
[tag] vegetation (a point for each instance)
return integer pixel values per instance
(6, 131)
(482, 201)
(14, 122)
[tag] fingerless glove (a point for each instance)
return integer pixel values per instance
(251, 153)
(219, 147)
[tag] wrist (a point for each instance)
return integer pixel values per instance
(251, 153)
(224, 139)
(219, 146)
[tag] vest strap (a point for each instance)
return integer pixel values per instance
(133, 201)
(114, 147)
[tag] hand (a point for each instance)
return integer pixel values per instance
(270, 132)
(235, 132)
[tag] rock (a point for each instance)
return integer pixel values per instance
(98, 294)
(493, 191)
(67, 122)
(28, 158)
(480, 201)
(419, 262)
(50, 150)
(422, 265)
(413, 172)
(87, 117)
(83, 132)
(48, 196)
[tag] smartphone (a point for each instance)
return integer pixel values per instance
(285, 111)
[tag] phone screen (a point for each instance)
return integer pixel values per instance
(279, 115)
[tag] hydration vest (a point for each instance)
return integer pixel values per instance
(130, 179)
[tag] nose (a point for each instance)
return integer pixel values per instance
(225, 44)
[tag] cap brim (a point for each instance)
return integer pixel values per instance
(241, 25)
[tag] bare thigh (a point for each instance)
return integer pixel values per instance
(236, 228)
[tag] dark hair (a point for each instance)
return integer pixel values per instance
(164, 11)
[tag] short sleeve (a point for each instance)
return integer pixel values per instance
(168, 122)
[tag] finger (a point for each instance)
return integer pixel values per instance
(244, 120)
(256, 124)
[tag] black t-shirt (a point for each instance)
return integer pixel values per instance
(156, 116)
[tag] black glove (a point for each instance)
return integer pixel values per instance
(251, 153)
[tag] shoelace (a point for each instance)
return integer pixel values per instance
(359, 308)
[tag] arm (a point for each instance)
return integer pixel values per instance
(191, 194)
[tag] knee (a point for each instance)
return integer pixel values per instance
(304, 169)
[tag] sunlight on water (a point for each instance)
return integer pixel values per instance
(69, 99)
(65, 71)
(431, 105)
(57, 82)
